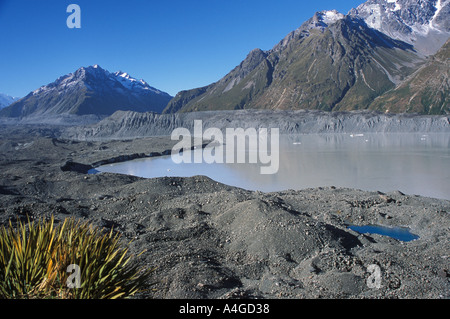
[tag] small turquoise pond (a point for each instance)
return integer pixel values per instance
(399, 233)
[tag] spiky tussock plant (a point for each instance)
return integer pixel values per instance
(71, 260)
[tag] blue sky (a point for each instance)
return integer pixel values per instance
(173, 45)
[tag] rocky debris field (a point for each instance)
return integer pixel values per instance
(127, 124)
(210, 240)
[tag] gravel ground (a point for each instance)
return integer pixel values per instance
(213, 241)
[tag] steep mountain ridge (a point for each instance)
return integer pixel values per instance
(340, 66)
(334, 62)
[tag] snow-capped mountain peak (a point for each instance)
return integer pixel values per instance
(91, 90)
(94, 76)
(321, 20)
(330, 16)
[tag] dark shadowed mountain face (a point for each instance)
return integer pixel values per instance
(90, 90)
(334, 62)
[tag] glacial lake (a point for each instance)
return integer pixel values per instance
(415, 164)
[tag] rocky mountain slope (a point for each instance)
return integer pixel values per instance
(89, 91)
(332, 62)
(422, 23)
(426, 91)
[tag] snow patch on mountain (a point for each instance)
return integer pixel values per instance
(331, 16)
(131, 83)
(439, 6)
(397, 5)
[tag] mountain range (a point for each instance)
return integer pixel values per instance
(384, 55)
(337, 62)
(90, 90)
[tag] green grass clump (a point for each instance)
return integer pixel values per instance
(35, 259)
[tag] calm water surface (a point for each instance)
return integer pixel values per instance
(412, 163)
(399, 233)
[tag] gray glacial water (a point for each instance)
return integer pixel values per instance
(415, 164)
